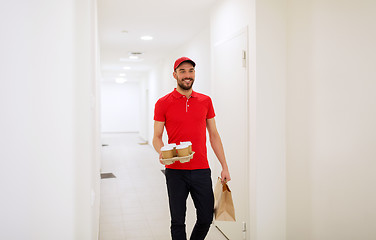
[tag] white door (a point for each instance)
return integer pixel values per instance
(230, 97)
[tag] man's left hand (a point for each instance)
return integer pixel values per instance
(225, 176)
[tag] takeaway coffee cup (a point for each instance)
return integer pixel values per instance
(182, 150)
(189, 146)
(174, 148)
(167, 152)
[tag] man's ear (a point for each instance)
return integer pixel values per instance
(175, 75)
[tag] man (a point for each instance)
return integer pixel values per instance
(186, 115)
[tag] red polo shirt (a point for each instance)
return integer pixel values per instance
(185, 120)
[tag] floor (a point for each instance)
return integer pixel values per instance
(134, 205)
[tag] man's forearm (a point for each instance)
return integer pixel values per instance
(158, 144)
(217, 147)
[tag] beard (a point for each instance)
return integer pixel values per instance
(182, 84)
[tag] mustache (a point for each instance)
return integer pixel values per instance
(187, 79)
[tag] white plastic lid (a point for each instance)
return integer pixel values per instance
(167, 148)
(186, 143)
(181, 146)
(171, 144)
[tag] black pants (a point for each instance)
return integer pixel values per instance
(198, 183)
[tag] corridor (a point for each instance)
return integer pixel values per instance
(302, 115)
(134, 205)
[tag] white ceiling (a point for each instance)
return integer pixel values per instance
(122, 22)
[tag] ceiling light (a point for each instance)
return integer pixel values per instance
(120, 80)
(133, 57)
(122, 75)
(135, 53)
(147, 38)
(127, 68)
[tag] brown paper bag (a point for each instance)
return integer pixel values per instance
(223, 206)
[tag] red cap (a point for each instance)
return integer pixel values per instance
(183, 59)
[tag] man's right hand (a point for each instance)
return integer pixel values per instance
(160, 158)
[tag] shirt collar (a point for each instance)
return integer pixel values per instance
(176, 94)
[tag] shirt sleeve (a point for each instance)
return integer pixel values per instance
(159, 112)
(211, 112)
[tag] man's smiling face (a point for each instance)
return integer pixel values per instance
(185, 75)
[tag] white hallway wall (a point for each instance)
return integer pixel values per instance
(331, 115)
(312, 113)
(144, 107)
(49, 159)
(120, 107)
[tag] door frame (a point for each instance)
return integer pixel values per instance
(244, 31)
